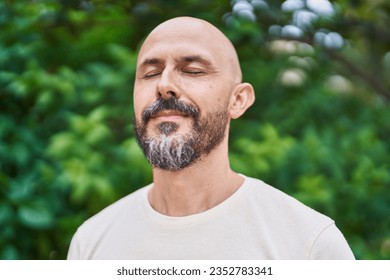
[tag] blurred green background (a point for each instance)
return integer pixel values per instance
(319, 129)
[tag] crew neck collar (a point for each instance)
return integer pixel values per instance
(184, 221)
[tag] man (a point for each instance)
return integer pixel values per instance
(187, 89)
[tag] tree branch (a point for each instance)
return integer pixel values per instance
(368, 78)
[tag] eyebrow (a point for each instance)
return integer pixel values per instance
(194, 58)
(151, 61)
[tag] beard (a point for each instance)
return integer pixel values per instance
(171, 151)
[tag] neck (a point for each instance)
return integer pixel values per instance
(196, 188)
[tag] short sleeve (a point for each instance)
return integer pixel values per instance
(331, 245)
(74, 248)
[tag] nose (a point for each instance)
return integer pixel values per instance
(167, 86)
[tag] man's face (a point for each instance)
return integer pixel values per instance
(181, 96)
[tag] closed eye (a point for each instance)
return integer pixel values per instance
(194, 72)
(151, 75)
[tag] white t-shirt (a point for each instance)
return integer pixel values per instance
(256, 222)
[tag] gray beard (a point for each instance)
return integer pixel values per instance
(170, 152)
(173, 152)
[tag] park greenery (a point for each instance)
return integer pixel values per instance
(319, 129)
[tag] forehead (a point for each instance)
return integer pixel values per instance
(179, 53)
(175, 41)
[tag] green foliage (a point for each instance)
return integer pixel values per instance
(319, 129)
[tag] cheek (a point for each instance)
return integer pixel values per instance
(218, 96)
(138, 105)
(214, 99)
(142, 98)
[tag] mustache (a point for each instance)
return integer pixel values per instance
(169, 104)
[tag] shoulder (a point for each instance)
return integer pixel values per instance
(119, 207)
(281, 203)
(92, 233)
(112, 215)
(287, 218)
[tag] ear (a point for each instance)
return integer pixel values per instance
(242, 98)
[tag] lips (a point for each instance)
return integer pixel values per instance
(169, 113)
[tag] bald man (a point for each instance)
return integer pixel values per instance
(188, 87)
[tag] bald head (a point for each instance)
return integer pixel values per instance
(207, 38)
